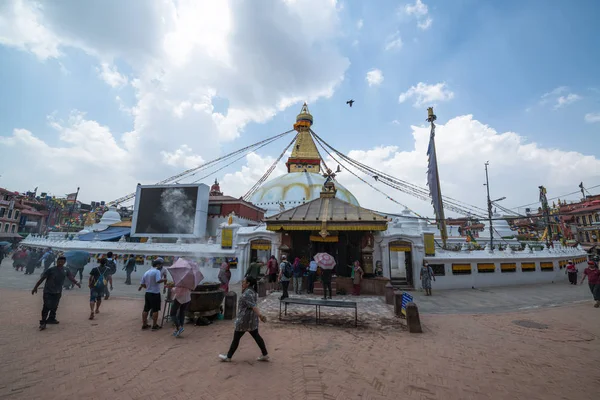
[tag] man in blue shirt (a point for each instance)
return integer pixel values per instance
(312, 276)
(152, 301)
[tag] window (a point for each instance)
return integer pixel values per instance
(438, 269)
(214, 209)
(17, 213)
(578, 220)
(461, 269)
(597, 218)
(2, 210)
(14, 227)
(10, 213)
(6, 226)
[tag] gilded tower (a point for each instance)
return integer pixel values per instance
(305, 156)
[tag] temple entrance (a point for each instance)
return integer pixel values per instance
(401, 262)
(260, 249)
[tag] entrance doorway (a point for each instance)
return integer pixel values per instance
(260, 249)
(401, 261)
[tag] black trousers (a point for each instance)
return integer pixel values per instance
(572, 278)
(284, 287)
(237, 335)
(51, 301)
(326, 285)
(128, 279)
(312, 276)
(595, 289)
(177, 313)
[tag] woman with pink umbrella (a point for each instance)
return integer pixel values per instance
(186, 276)
(326, 262)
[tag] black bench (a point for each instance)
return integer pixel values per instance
(318, 303)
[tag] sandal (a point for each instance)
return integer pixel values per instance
(92, 316)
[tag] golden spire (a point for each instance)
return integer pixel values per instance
(305, 156)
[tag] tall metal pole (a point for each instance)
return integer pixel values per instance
(489, 203)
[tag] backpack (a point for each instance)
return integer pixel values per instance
(101, 281)
(287, 270)
(112, 266)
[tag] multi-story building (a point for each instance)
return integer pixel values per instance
(583, 219)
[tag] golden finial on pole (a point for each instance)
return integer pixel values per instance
(430, 115)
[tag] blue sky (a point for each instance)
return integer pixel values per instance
(495, 60)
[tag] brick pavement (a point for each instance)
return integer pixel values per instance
(458, 357)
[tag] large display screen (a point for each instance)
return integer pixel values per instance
(170, 211)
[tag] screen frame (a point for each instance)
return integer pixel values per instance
(200, 218)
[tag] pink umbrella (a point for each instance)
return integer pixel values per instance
(324, 260)
(185, 273)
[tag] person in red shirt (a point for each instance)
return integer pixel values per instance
(272, 269)
(593, 274)
(571, 272)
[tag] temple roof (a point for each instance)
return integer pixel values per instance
(327, 214)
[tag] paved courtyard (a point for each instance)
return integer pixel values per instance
(548, 352)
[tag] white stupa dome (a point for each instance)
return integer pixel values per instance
(110, 217)
(293, 189)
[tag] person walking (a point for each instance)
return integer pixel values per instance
(571, 271)
(20, 259)
(182, 297)
(99, 278)
(55, 278)
(312, 276)
(32, 260)
(111, 264)
(225, 276)
(247, 321)
(48, 258)
(254, 269)
(326, 281)
(357, 278)
(130, 266)
(298, 275)
(593, 274)
(426, 276)
(272, 269)
(152, 301)
(285, 274)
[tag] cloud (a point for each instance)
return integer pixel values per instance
(374, 77)
(393, 42)
(419, 11)
(86, 155)
(182, 157)
(592, 117)
(425, 94)
(181, 55)
(109, 74)
(21, 27)
(560, 97)
(359, 24)
(563, 101)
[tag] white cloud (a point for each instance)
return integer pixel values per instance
(425, 94)
(21, 27)
(419, 11)
(393, 42)
(563, 101)
(111, 75)
(560, 97)
(396, 122)
(359, 24)
(182, 157)
(592, 117)
(182, 54)
(374, 77)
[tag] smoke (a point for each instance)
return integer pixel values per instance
(178, 212)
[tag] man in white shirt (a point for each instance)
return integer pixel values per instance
(151, 282)
(312, 276)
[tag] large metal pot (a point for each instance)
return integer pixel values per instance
(207, 299)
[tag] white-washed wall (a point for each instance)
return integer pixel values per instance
(478, 279)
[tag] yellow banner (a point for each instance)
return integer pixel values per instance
(326, 239)
(226, 238)
(429, 244)
(400, 248)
